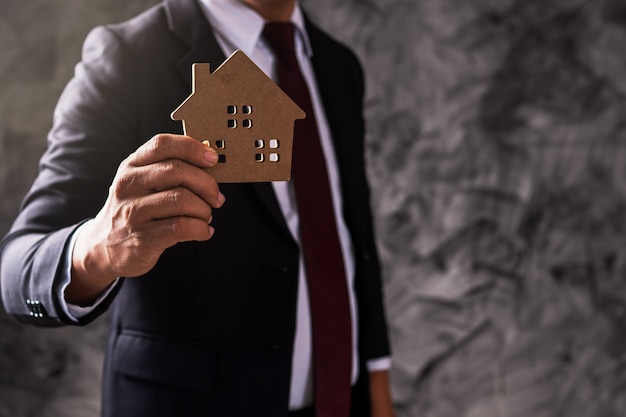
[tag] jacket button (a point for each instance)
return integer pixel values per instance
(35, 308)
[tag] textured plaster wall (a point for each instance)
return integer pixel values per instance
(497, 159)
(496, 150)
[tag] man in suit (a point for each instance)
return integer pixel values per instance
(210, 309)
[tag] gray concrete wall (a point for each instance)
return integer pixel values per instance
(496, 151)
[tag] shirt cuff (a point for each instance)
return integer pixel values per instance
(75, 312)
(379, 364)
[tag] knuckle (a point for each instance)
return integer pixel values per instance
(160, 143)
(122, 185)
(185, 229)
(126, 163)
(169, 167)
(176, 227)
(177, 169)
(177, 198)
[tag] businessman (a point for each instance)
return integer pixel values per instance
(258, 299)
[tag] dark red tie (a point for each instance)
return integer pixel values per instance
(323, 260)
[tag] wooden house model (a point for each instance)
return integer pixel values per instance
(245, 117)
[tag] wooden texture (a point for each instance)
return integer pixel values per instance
(245, 117)
(496, 152)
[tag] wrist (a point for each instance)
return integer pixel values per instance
(380, 394)
(89, 277)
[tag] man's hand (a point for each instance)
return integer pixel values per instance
(161, 195)
(380, 394)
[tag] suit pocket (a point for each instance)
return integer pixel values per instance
(165, 361)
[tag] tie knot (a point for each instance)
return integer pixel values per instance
(280, 37)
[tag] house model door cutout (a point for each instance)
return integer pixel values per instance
(245, 117)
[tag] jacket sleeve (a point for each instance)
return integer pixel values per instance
(93, 131)
(373, 331)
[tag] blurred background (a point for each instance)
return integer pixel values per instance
(497, 160)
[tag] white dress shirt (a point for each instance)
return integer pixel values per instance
(236, 26)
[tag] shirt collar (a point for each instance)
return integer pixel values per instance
(242, 26)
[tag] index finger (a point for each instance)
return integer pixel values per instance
(169, 146)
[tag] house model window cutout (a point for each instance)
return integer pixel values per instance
(245, 117)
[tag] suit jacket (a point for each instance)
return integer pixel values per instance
(209, 331)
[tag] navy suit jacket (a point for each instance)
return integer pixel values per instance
(209, 331)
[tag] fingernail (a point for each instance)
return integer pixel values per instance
(211, 156)
(221, 198)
